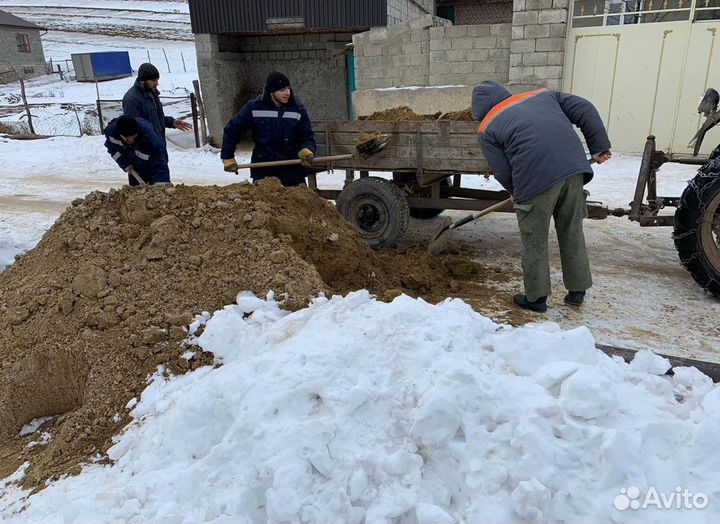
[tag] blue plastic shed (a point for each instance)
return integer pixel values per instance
(107, 65)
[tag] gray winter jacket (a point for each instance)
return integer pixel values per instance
(529, 140)
(140, 103)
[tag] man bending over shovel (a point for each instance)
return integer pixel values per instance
(138, 151)
(535, 153)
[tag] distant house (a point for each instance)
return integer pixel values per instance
(21, 51)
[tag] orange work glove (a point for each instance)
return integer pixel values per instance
(230, 165)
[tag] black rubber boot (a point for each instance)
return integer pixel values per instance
(539, 306)
(575, 298)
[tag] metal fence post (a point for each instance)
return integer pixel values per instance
(166, 59)
(100, 117)
(193, 105)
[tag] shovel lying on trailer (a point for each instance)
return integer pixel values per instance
(443, 234)
(366, 144)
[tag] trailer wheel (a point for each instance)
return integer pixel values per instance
(697, 227)
(377, 208)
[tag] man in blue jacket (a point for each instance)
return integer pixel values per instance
(133, 144)
(280, 128)
(536, 155)
(142, 100)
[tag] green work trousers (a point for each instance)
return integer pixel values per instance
(565, 202)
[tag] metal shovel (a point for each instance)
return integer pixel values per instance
(443, 234)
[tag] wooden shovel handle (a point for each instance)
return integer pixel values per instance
(494, 207)
(278, 163)
(487, 210)
(137, 177)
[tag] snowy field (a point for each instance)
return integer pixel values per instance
(354, 410)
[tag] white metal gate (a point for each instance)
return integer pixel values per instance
(645, 64)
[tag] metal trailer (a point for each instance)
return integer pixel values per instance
(429, 160)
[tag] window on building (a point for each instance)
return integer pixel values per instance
(588, 13)
(707, 10)
(23, 42)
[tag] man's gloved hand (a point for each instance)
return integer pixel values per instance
(306, 157)
(602, 157)
(230, 165)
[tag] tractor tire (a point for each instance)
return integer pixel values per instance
(697, 227)
(715, 154)
(377, 209)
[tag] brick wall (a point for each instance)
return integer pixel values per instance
(12, 59)
(421, 53)
(537, 50)
(490, 12)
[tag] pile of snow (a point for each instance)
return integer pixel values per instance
(354, 410)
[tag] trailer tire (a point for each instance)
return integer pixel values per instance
(697, 227)
(377, 209)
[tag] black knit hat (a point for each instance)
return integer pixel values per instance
(148, 72)
(276, 81)
(127, 126)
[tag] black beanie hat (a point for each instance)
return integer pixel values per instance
(148, 72)
(127, 126)
(276, 81)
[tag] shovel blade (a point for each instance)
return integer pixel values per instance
(441, 237)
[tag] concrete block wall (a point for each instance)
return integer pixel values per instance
(430, 52)
(399, 11)
(537, 49)
(13, 63)
(233, 70)
(469, 54)
(392, 56)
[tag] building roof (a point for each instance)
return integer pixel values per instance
(300, 16)
(8, 20)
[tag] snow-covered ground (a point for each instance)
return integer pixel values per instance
(353, 410)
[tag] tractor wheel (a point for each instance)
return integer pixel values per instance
(377, 208)
(715, 154)
(697, 227)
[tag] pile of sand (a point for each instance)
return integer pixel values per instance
(108, 293)
(405, 114)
